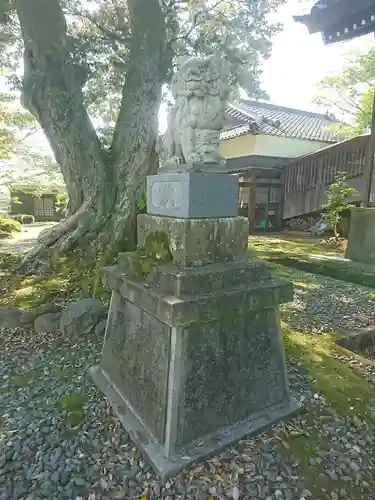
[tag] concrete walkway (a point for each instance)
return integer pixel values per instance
(25, 240)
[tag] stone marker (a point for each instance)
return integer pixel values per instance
(361, 237)
(193, 357)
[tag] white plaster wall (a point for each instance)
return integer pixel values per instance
(285, 147)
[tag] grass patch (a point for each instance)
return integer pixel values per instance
(302, 443)
(344, 271)
(266, 247)
(305, 284)
(346, 391)
(305, 255)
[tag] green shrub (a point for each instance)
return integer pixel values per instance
(9, 225)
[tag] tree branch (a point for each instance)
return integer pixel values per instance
(105, 31)
(195, 22)
(28, 134)
(141, 94)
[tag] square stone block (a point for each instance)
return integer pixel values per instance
(210, 278)
(361, 239)
(192, 195)
(189, 375)
(177, 281)
(194, 242)
(189, 308)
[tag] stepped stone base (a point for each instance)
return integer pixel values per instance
(193, 359)
(167, 466)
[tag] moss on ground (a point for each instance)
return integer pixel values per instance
(76, 276)
(268, 247)
(346, 391)
(300, 253)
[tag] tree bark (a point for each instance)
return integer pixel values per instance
(103, 188)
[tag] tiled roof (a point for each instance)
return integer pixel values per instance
(256, 117)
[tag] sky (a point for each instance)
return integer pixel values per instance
(298, 61)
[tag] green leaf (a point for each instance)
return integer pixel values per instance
(72, 402)
(74, 418)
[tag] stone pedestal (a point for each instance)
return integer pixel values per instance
(361, 239)
(193, 357)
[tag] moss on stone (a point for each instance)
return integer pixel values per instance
(153, 253)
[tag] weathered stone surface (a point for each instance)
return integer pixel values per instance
(47, 323)
(194, 366)
(192, 195)
(333, 266)
(167, 464)
(203, 168)
(210, 278)
(190, 308)
(135, 357)
(81, 317)
(10, 317)
(232, 369)
(361, 240)
(195, 242)
(100, 328)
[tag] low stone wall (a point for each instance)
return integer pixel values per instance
(333, 267)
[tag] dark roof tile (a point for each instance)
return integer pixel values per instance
(257, 117)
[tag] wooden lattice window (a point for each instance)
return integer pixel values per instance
(43, 207)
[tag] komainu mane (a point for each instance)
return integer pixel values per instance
(200, 92)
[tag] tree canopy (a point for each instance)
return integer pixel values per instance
(100, 32)
(106, 62)
(19, 161)
(350, 93)
(16, 125)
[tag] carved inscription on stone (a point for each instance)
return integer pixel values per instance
(167, 195)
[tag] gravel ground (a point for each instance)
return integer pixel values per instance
(323, 305)
(41, 457)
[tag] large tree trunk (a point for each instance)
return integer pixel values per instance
(103, 188)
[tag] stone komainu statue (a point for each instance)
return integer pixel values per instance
(200, 91)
